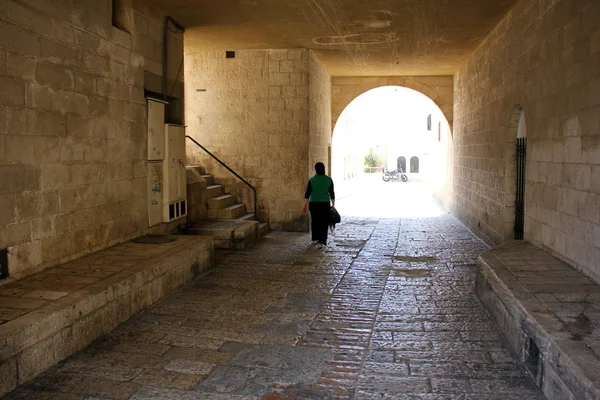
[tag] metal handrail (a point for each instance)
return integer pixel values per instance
(232, 171)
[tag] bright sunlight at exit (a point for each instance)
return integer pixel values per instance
(391, 151)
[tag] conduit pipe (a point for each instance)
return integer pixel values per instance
(165, 51)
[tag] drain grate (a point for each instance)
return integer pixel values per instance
(154, 239)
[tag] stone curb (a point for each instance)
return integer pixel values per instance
(567, 368)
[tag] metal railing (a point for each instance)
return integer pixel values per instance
(233, 172)
(520, 192)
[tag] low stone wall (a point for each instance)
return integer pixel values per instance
(548, 311)
(63, 309)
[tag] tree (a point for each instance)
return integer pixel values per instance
(371, 160)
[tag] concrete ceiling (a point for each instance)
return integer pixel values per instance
(350, 37)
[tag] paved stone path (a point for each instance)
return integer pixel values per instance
(388, 311)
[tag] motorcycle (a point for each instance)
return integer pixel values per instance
(393, 175)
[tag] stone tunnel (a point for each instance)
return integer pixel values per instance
(154, 156)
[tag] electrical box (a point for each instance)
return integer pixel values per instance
(174, 174)
(156, 129)
(155, 193)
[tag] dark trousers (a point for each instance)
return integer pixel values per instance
(319, 213)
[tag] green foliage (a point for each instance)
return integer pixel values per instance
(371, 159)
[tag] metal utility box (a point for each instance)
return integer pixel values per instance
(156, 130)
(155, 193)
(174, 174)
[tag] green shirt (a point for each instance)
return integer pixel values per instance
(320, 189)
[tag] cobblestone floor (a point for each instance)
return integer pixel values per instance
(388, 311)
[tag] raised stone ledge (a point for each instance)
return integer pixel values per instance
(550, 314)
(55, 313)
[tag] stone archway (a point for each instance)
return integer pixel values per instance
(440, 89)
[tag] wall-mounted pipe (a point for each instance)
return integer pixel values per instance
(168, 20)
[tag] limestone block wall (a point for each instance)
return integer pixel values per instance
(442, 158)
(252, 112)
(72, 127)
(544, 57)
(319, 115)
(437, 88)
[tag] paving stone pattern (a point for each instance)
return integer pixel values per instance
(387, 311)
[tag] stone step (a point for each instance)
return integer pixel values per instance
(197, 168)
(210, 180)
(214, 191)
(228, 223)
(222, 201)
(231, 212)
(246, 236)
(263, 229)
(227, 234)
(247, 217)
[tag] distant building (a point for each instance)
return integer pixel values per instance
(403, 127)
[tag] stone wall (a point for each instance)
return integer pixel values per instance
(319, 104)
(72, 127)
(542, 57)
(437, 88)
(251, 111)
(441, 178)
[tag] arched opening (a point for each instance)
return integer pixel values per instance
(414, 165)
(401, 164)
(384, 129)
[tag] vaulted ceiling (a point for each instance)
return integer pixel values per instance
(350, 37)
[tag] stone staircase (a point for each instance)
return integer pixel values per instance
(212, 212)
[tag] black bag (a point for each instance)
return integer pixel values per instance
(334, 218)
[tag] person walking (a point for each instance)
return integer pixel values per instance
(319, 199)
